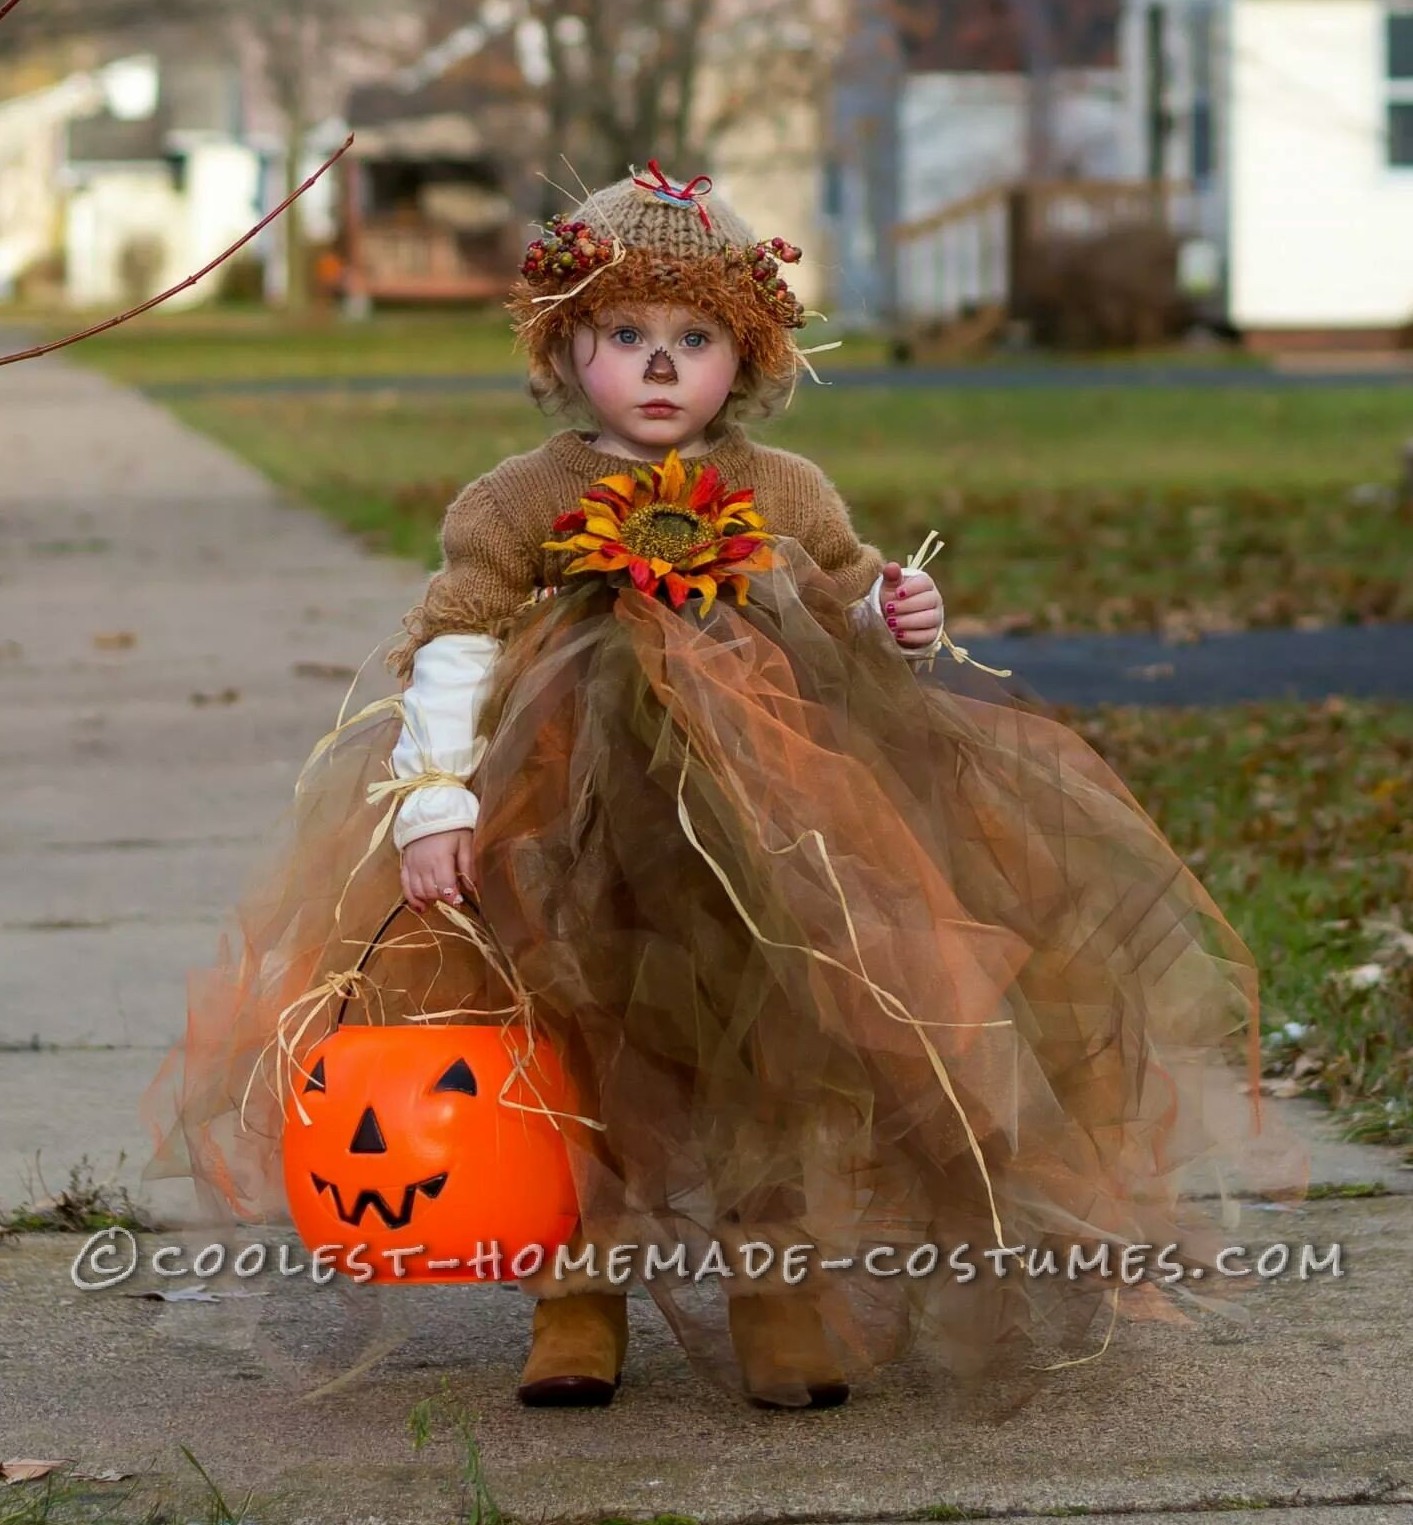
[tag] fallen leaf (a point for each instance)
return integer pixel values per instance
(115, 640)
(334, 671)
(1362, 977)
(193, 1294)
(102, 1475)
(25, 1471)
(196, 1293)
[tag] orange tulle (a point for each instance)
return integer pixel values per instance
(835, 958)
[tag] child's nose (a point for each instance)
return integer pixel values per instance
(660, 367)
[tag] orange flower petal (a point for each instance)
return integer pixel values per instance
(761, 560)
(672, 478)
(598, 562)
(620, 486)
(677, 589)
(574, 543)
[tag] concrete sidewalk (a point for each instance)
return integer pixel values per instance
(175, 638)
(172, 645)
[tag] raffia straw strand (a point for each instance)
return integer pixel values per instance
(502, 966)
(335, 985)
(882, 996)
(1094, 1354)
(620, 249)
(925, 553)
(361, 666)
(392, 704)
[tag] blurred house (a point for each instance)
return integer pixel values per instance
(964, 103)
(948, 167)
(762, 102)
(32, 140)
(1259, 151)
(160, 181)
(427, 210)
(1318, 100)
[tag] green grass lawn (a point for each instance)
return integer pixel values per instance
(251, 343)
(1085, 509)
(1099, 508)
(1298, 819)
(256, 344)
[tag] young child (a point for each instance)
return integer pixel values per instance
(878, 992)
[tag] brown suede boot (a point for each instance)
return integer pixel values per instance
(785, 1357)
(577, 1349)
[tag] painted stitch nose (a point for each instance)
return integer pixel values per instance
(369, 1137)
(660, 367)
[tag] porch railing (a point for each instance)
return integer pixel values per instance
(972, 256)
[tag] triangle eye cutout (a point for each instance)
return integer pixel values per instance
(457, 1078)
(316, 1079)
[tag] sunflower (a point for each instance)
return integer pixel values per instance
(671, 526)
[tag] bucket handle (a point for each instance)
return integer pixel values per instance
(372, 947)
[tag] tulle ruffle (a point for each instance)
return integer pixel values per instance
(837, 959)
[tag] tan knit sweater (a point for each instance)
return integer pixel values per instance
(491, 557)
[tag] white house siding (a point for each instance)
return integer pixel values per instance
(29, 205)
(964, 133)
(223, 201)
(118, 203)
(1321, 225)
(31, 152)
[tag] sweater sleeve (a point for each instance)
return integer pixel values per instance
(828, 534)
(488, 572)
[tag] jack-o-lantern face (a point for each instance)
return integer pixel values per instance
(408, 1148)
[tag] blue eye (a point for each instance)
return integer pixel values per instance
(697, 334)
(624, 330)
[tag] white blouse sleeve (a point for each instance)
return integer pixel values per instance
(451, 676)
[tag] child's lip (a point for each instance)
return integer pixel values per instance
(662, 403)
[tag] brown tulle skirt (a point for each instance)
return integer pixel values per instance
(899, 972)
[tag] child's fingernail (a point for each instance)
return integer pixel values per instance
(892, 608)
(892, 624)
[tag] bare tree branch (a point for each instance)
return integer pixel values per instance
(191, 280)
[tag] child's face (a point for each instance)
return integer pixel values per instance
(632, 358)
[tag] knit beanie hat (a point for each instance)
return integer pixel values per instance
(648, 240)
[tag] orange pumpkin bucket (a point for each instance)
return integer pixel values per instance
(408, 1157)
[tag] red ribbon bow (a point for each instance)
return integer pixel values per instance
(685, 196)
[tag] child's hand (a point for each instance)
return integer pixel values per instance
(435, 867)
(911, 605)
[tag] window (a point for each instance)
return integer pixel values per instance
(1398, 68)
